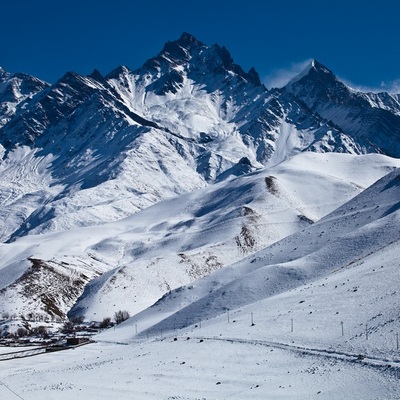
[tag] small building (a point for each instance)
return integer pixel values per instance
(75, 341)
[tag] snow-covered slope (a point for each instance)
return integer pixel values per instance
(14, 89)
(177, 241)
(364, 230)
(197, 367)
(189, 127)
(312, 316)
(213, 209)
(372, 119)
(190, 116)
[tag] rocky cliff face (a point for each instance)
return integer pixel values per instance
(371, 119)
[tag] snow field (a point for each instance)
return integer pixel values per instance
(194, 369)
(176, 241)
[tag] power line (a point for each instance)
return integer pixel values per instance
(12, 391)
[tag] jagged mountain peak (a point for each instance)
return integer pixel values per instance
(96, 74)
(174, 53)
(189, 54)
(21, 76)
(372, 119)
(81, 82)
(314, 71)
(181, 48)
(117, 72)
(318, 83)
(319, 67)
(68, 76)
(255, 77)
(177, 52)
(187, 40)
(3, 73)
(15, 88)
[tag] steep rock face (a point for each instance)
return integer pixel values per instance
(201, 93)
(14, 90)
(373, 120)
(110, 146)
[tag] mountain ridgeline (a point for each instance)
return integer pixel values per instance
(188, 162)
(190, 102)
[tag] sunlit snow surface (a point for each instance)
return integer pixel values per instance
(177, 241)
(228, 358)
(310, 313)
(187, 194)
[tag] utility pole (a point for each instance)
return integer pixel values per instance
(341, 323)
(366, 331)
(291, 324)
(252, 321)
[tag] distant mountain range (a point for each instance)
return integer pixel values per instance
(190, 125)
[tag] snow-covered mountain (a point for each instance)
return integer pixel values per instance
(144, 180)
(372, 119)
(14, 89)
(346, 238)
(132, 262)
(110, 146)
(312, 316)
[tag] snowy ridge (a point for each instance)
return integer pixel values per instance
(253, 235)
(14, 89)
(360, 115)
(82, 156)
(350, 236)
(108, 136)
(193, 234)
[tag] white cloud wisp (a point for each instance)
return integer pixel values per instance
(280, 77)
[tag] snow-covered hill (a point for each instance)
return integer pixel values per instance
(157, 176)
(363, 230)
(316, 321)
(138, 259)
(216, 212)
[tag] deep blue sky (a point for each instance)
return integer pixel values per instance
(358, 40)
